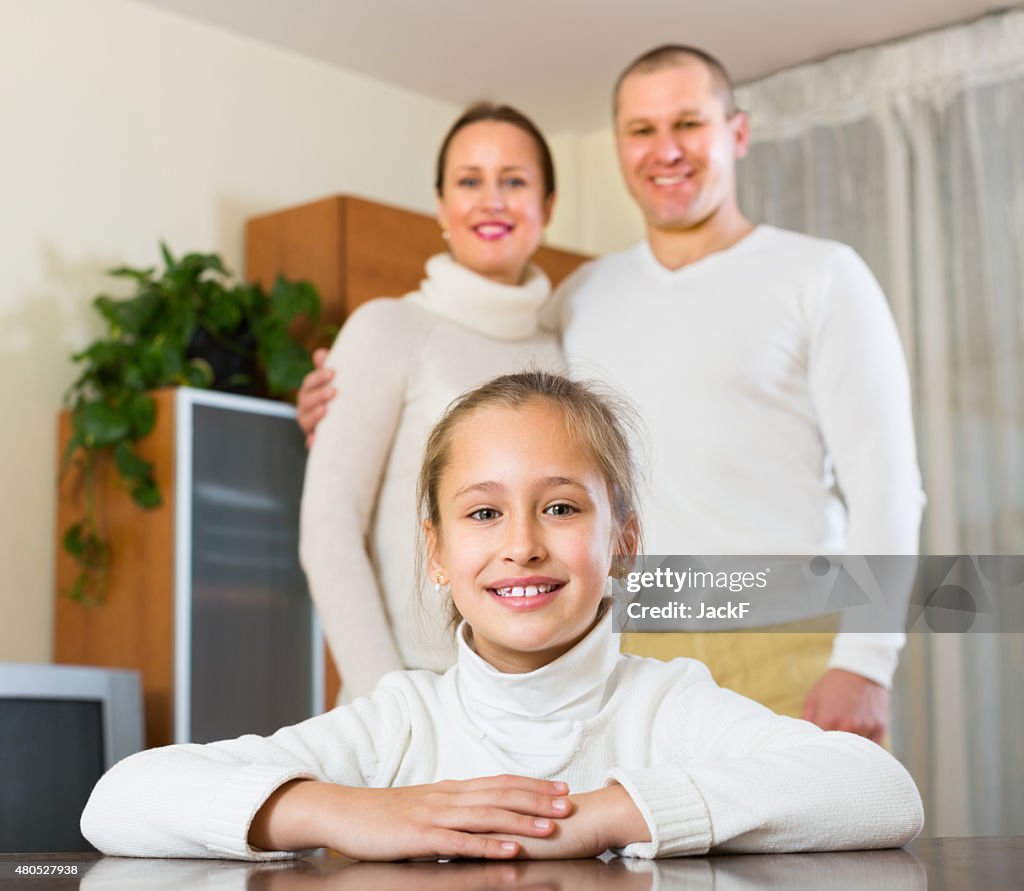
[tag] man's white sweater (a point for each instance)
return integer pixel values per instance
(766, 374)
(705, 767)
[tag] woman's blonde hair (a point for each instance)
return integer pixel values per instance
(598, 421)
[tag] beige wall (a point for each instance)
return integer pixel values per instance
(595, 213)
(565, 227)
(613, 221)
(122, 125)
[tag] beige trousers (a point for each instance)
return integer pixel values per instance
(776, 668)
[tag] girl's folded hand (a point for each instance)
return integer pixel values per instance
(602, 819)
(453, 818)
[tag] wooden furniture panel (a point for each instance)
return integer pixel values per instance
(224, 598)
(140, 590)
(385, 250)
(354, 250)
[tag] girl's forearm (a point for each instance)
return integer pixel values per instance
(621, 821)
(602, 819)
(290, 820)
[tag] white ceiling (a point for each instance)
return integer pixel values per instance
(557, 59)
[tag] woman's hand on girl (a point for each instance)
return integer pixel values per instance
(314, 395)
(489, 817)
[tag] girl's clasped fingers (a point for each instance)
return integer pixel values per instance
(467, 845)
(520, 795)
(516, 805)
(530, 804)
(492, 819)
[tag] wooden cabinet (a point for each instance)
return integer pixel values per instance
(134, 627)
(354, 250)
(205, 596)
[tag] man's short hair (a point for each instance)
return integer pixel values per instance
(669, 55)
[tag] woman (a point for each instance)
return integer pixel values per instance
(396, 365)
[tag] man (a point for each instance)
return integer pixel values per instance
(767, 367)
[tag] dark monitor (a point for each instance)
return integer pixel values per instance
(61, 728)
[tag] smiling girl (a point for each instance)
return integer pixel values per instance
(543, 740)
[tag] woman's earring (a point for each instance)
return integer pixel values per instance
(440, 582)
(445, 234)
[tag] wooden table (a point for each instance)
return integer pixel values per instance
(940, 864)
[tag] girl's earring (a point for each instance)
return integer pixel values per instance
(445, 234)
(440, 582)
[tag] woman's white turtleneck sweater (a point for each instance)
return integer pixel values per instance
(397, 364)
(705, 767)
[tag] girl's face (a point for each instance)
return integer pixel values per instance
(492, 203)
(527, 535)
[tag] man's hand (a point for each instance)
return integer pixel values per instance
(842, 700)
(488, 817)
(603, 819)
(314, 394)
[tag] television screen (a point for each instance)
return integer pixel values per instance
(61, 727)
(52, 757)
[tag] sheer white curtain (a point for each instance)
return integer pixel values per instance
(914, 154)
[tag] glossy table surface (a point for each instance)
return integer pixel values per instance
(948, 864)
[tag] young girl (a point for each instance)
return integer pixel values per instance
(542, 741)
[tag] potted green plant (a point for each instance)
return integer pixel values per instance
(189, 325)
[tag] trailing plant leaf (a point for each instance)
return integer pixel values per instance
(74, 542)
(286, 362)
(146, 493)
(101, 423)
(92, 554)
(75, 442)
(141, 411)
(198, 373)
(129, 464)
(129, 317)
(288, 301)
(224, 313)
(176, 329)
(140, 275)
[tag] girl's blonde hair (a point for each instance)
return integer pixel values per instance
(598, 421)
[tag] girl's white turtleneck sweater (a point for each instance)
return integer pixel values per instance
(706, 768)
(398, 363)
